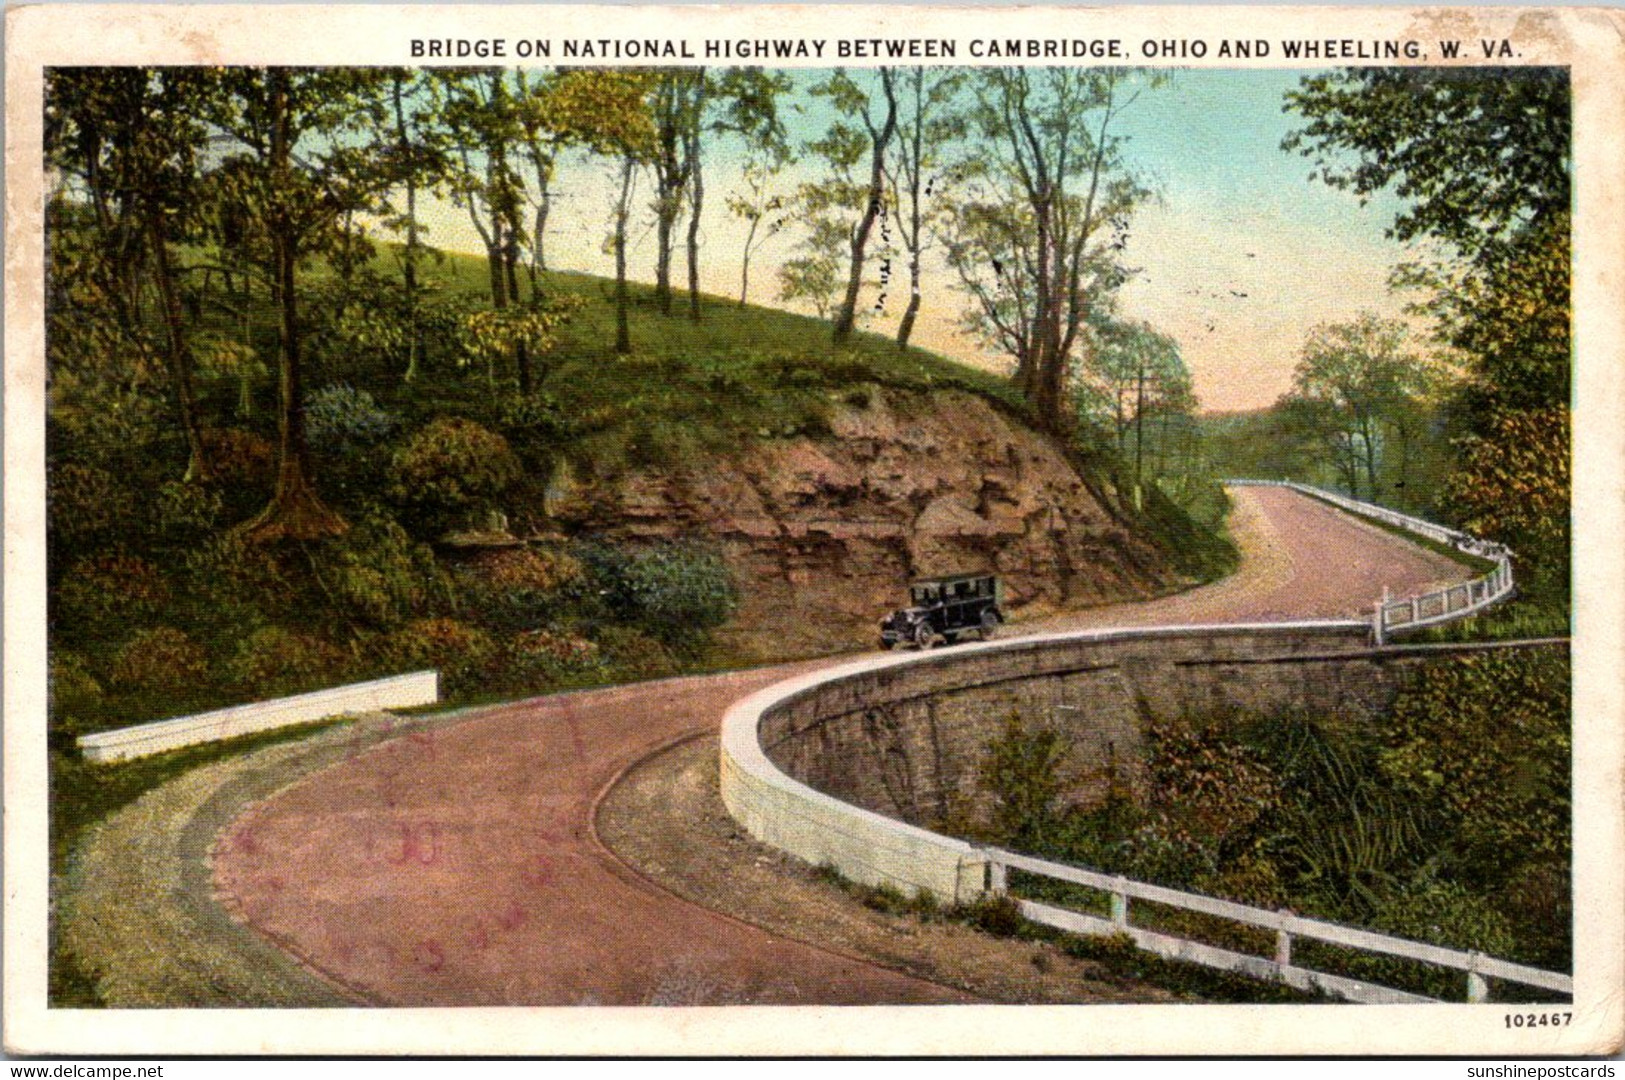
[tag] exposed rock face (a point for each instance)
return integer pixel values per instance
(824, 534)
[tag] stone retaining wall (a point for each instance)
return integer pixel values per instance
(865, 766)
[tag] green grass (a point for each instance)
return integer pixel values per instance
(690, 389)
(83, 794)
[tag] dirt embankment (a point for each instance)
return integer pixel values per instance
(823, 533)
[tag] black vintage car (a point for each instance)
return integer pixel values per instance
(945, 608)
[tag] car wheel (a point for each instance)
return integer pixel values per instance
(886, 644)
(923, 635)
(990, 625)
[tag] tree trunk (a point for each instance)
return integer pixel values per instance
(409, 265)
(178, 355)
(623, 329)
(846, 317)
(744, 264)
(697, 202)
(906, 328)
(295, 512)
(664, 224)
(521, 355)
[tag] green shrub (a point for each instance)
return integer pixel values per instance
(340, 418)
(103, 596)
(183, 512)
(450, 468)
(1485, 739)
(633, 655)
(1025, 772)
(462, 654)
(1436, 913)
(162, 660)
(537, 658)
(676, 592)
(240, 458)
(274, 661)
(83, 505)
(74, 696)
(519, 589)
(380, 574)
(999, 915)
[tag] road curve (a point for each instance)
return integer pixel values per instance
(458, 866)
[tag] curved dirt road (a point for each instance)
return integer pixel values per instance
(458, 866)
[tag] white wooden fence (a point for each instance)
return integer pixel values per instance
(1284, 925)
(1391, 616)
(397, 691)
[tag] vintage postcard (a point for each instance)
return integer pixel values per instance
(813, 530)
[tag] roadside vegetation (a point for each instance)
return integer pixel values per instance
(1446, 820)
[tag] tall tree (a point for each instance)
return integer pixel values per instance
(917, 169)
(418, 162)
(1137, 373)
(866, 121)
(1037, 237)
(303, 159)
(741, 102)
(678, 101)
(761, 208)
(1482, 158)
(1357, 378)
(133, 138)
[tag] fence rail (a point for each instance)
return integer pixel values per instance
(1285, 925)
(394, 692)
(1391, 617)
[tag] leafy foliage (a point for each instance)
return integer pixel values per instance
(452, 466)
(342, 418)
(1513, 486)
(1025, 770)
(1446, 821)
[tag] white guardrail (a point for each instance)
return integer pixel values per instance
(1392, 617)
(395, 692)
(1284, 925)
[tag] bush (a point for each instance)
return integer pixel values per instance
(162, 660)
(1485, 741)
(380, 575)
(462, 654)
(73, 695)
(542, 657)
(999, 915)
(634, 655)
(1437, 913)
(83, 505)
(240, 458)
(519, 589)
(183, 512)
(340, 418)
(676, 592)
(1024, 772)
(274, 661)
(103, 596)
(451, 468)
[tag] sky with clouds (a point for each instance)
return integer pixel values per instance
(1239, 255)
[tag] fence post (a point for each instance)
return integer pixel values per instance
(1283, 943)
(1120, 903)
(997, 884)
(1377, 616)
(1478, 991)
